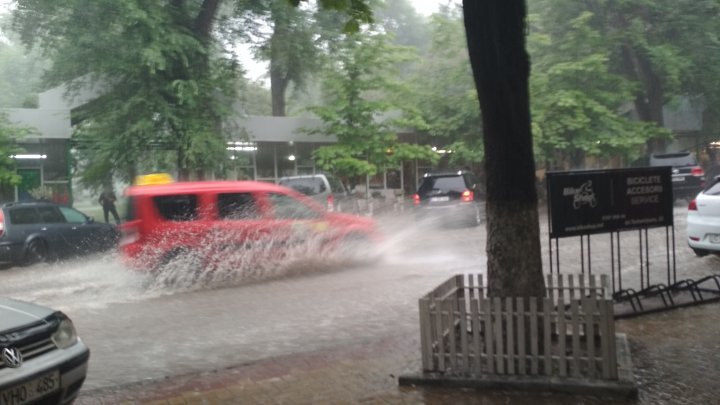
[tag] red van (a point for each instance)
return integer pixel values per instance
(221, 220)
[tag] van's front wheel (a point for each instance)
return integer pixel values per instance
(180, 267)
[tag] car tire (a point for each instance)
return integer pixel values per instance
(180, 268)
(36, 252)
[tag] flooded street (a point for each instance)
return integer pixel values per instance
(138, 330)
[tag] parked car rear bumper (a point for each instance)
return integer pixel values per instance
(702, 228)
(452, 212)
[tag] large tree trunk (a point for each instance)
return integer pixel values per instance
(649, 100)
(278, 70)
(278, 86)
(501, 68)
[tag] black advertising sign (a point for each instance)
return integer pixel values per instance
(599, 201)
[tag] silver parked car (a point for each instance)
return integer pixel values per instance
(323, 188)
(42, 360)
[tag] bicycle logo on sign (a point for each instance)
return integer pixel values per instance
(584, 195)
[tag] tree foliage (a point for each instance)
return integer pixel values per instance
(166, 74)
(285, 36)
(666, 48)
(9, 135)
(579, 104)
(20, 73)
(362, 100)
(162, 74)
(445, 94)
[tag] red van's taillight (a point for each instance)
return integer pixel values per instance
(467, 196)
(697, 171)
(416, 199)
(692, 206)
(331, 203)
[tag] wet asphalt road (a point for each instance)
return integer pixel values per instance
(138, 331)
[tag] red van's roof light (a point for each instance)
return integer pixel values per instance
(153, 179)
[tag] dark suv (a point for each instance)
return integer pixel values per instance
(38, 231)
(688, 178)
(452, 196)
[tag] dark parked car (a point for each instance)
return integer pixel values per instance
(688, 178)
(42, 360)
(452, 196)
(33, 232)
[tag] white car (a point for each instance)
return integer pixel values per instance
(42, 360)
(703, 221)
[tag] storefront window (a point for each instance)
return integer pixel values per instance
(285, 159)
(266, 160)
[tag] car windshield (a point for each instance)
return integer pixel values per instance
(673, 159)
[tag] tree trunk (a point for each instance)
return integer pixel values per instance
(278, 69)
(278, 84)
(649, 100)
(496, 43)
(204, 20)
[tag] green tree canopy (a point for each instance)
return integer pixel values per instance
(444, 92)
(166, 73)
(362, 100)
(579, 105)
(9, 135)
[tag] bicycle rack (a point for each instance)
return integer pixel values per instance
(684, 293)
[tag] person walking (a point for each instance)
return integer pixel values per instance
(107, 200)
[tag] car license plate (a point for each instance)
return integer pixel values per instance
(714, 238)
(31, 390)
(678, 178)
(439, 199)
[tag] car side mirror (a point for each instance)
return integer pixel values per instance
(90, 220)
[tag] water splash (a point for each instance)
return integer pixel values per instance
(220, 261)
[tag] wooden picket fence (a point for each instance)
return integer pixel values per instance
(569, 333)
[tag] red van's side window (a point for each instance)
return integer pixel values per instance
(180, 207)
(234, 206)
